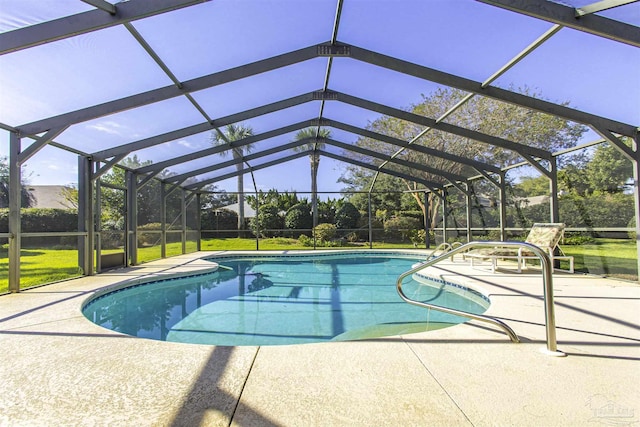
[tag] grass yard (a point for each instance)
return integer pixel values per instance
(608, 257)
(284, 244)
(615, 258)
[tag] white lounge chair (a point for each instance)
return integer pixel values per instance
(544, 235)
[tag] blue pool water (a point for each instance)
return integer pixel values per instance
(272, 300)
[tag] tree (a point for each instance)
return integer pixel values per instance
(283, 201)
(609, 170)
(532, 186)
(267, 221)
(314, 159)
(213, 198)
(27, 199)
(70, 196)
(148, 200)
(385, 195)
(347, 216)
(481, 114)
(235, 132)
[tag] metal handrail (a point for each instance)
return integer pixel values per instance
(444, 247)
(547, 280)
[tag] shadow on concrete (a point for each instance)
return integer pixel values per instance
(208, 395)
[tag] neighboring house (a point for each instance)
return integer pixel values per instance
(489, 202)
(49, 196)
(533, 200)
(249, 212)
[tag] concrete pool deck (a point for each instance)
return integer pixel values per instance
(59, 369)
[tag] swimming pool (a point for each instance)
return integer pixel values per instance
(284, 299)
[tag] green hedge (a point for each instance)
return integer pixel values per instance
(36, 220)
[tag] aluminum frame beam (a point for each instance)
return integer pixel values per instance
(203, 127)
(469, 85)
(172, 91)
(364, 165)
(294, 144)
(599, 6)
(102, 5)
(406, 163)
(86, 22)
(419, 148)
(198, 185)
(158, 167)
(39, 144)
(566, 16)
(442, 126)
(232, 162)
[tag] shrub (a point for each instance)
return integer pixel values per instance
(578, 239)
(305, 240)
(298, 217)
(220, 219)
(417, 237)
(325, 232)
(401, 227)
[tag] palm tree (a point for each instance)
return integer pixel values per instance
(236, 132)
(314, 158)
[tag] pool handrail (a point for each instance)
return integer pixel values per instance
(547, 280)
(443, 247)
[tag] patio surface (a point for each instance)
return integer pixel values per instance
(59, 369)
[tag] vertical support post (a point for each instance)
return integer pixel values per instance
(636, 194)
(183, 225)
(85, 215)
(370, 221)
(199, 222)
(553, 189)
(427, 237)
(163, 220)
(98, 225)
(425, 222)
(503, 206)
(132, 216)
(469, 216)
(15, 202)
(258, 217)
(444, 215)
(315, 160)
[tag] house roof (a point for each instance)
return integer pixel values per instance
(48, 196)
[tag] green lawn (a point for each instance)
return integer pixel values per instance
(284, 244)
(609, 257)
(616, 258)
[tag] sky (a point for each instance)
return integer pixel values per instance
(461, 37)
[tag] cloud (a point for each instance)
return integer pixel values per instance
(187, 144)
(109, 127)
